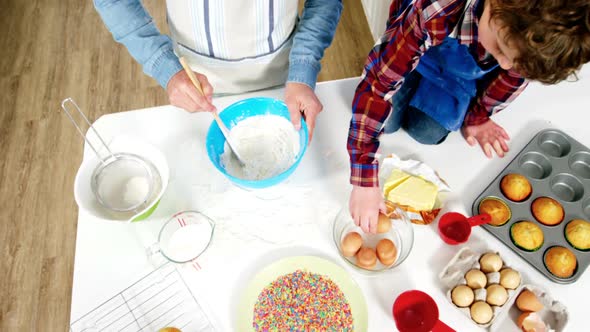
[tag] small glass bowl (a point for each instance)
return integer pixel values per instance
(185, 236)
(401, 234)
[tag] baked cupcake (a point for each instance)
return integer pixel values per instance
(527, 235)
(561, 262)
(577, 233)
(547, 211)
(497, 209)
(516, 187)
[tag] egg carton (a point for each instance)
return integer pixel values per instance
(554, 314)
(454, 275)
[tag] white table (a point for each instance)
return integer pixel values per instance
(296, 218)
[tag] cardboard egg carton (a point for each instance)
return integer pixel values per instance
(454, 275)
(554, 314)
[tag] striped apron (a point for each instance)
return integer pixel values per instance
(239, 45)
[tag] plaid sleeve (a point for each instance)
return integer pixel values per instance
(391, 59)
(500, 92)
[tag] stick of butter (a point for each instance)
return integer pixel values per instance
(414, 192)
(396, 177)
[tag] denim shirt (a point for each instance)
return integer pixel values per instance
(132, 26)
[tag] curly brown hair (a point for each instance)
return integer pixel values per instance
(552, 36)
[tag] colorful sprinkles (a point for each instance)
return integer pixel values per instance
(302, 301)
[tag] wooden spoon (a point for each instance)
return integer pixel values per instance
(224, 129)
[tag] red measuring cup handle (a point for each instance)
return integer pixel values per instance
(442, 327)
(480, 219)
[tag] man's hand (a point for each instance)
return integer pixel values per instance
(182, 93)
(365, 204)
(489, 135)
(300, 98)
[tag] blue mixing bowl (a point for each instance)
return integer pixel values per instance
(239, 111)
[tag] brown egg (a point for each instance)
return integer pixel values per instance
(386, 252)
(496, 295)
(528, 301)
(530, 322)
(351, 244)
(490, 262)
(481, 312)
(366, 258)
(509, 278)
(476, 279)
(462, 296)
(383, 224)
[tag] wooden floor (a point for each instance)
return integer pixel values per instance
(54, 49)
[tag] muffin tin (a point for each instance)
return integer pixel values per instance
(556, 166)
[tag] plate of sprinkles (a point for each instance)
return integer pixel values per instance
(302, 293)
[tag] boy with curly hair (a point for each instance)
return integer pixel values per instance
(448, 65)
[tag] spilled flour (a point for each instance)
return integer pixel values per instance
(268, 145)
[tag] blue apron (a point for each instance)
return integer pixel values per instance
(449, 75)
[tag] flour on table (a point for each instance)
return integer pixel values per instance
(268, 145)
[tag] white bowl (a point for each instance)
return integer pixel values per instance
(87, 201)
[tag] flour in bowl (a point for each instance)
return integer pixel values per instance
(268, 145)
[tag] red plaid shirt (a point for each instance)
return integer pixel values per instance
(424, 24)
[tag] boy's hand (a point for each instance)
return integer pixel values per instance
(489, 135)
(300, 98)
(365, 204)
(182, 93)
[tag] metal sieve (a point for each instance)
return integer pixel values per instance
(121, 181)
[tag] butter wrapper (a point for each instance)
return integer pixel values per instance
(418, 169)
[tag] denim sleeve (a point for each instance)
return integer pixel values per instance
(132, 26)
(313, 35)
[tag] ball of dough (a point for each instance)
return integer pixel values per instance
(351, 244)
(366, 258)
(481, 312)
(509, 278)
(497, 295)
(490, 262)
(476, 279)
(462, 296)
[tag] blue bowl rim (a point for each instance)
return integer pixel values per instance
(256, 183)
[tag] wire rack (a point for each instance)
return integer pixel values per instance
(160, 299)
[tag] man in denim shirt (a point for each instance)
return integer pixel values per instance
(234, 46)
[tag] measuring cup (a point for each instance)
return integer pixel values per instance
(416, 311)
(455, 228)
(184, 237)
